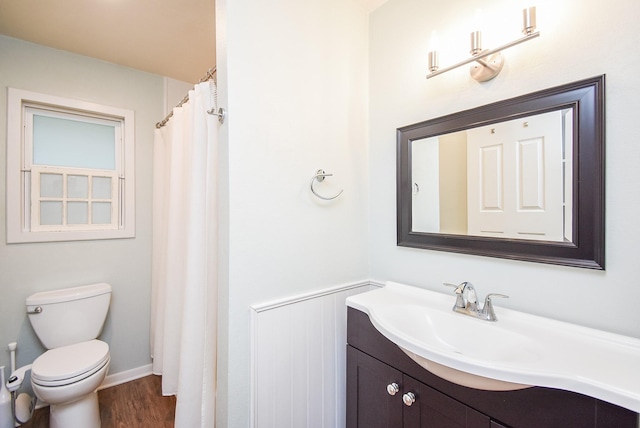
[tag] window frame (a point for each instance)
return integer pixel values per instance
(19, 168)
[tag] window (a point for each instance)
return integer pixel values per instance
(70, 170)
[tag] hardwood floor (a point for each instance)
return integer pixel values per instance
(137, 404)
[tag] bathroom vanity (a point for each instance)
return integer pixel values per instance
(387, 388)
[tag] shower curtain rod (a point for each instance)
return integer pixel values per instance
(209, 76)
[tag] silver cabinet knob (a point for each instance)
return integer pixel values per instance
(409, 398)
(393, 388)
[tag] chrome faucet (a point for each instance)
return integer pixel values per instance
(467, 302)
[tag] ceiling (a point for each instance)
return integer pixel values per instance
(174, 38)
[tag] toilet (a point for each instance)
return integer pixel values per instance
(68, 322)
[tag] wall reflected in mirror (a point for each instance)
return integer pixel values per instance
(510, 179)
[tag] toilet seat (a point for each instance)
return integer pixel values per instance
(69, 364)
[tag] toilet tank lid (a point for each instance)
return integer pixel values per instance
(67, 294)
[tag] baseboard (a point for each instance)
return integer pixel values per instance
(126, 376)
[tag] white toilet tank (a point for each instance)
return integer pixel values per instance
(68, 316)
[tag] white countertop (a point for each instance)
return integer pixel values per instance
(518, 348)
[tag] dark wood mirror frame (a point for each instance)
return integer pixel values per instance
(586, 250)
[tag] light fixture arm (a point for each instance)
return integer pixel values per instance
(484, 54)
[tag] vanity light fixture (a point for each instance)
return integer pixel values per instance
(489, 62)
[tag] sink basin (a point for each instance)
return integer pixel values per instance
(464, 378)
(442, 328)
(518, 351)
(471, 338)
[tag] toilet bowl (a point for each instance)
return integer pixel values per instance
(67, 378)
(67, 375)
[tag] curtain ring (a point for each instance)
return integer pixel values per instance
(319, 176)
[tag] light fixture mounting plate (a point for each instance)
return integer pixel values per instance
(486, 69)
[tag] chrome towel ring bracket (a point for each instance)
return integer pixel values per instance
(320, 175)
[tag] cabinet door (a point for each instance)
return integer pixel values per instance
(369, 404)
(433, 409)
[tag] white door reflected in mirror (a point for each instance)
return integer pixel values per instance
(511, 180)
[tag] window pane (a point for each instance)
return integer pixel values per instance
(101, 188)
(77, 186)
(50, 212)
(73, 143)
(77, 213)
(101, 213)
(51, 186)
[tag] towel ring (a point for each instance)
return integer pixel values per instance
(320, 175)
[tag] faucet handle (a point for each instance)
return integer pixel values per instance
(459, 289)
(487, 310)
(456, 286)
(490, 295)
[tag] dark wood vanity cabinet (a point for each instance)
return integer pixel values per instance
(374, 364)
(371, 405)
(368, 402)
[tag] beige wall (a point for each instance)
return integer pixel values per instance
(124, 263)
(453, 183)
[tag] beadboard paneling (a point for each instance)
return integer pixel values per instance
(298, 356)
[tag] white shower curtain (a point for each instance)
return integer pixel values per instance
(184, 258)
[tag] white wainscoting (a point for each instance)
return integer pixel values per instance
(298, 359)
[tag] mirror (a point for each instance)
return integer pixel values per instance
(520, 179)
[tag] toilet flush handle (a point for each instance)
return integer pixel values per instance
(36, 310)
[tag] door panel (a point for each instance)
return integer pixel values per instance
(433, 409)
(515, 180)
(372, 406)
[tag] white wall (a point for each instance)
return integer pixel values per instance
(174, 93)
(294, 78)
(124, 263)
(579, 39)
